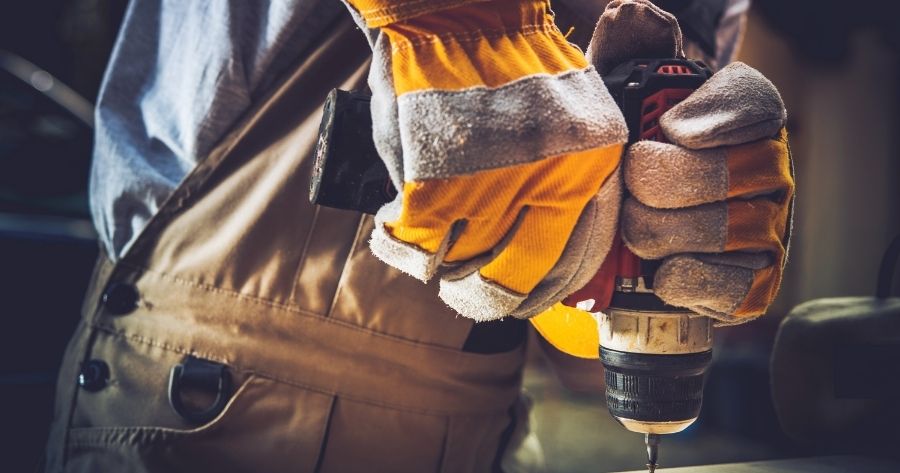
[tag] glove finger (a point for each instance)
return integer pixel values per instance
(736, 105)
(453, 220)
(732, 287)
(421, 254)
(585, 251)
(756, 224)
(500, 286)
(663, 175)
(630, 29)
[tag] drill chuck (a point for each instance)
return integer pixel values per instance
(656, 362)
(654, 394)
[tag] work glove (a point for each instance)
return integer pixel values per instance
(714, 203)
(504, 145)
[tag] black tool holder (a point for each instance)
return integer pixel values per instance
(348, 173)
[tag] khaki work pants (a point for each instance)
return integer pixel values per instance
(334, 361)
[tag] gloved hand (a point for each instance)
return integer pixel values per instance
(505, 146)
(714, 204)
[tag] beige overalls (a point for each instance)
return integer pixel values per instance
(336, 362)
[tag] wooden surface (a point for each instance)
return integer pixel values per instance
(839, 464)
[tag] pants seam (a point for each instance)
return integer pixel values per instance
(302, 260)
(340, 285)
(285, 307)
(165, 346)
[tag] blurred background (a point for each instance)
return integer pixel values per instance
(836, 65)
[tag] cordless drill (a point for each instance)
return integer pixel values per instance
(655, 355)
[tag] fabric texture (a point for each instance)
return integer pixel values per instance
(384, 12)
(174, 86)
(736, 106)
(726, 36)
(736, 121)
(339, 363)
(506, 137)
(630, 29)
(522, 121)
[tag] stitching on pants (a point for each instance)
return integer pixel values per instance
(274, 377)
(340, 285)
(303, 254)
(287, 308)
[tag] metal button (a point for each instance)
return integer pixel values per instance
(120, 298)
(94, 375)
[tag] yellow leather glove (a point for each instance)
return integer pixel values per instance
(714, 203)
(505, 146)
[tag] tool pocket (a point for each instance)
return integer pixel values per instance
(369, 437)
(328, 243)
(124, 418)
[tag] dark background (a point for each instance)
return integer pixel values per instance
(836, 65)
(47, 242)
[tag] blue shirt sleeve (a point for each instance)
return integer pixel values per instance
(180, 75)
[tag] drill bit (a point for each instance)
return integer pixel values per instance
(652, 441)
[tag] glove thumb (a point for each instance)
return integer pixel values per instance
(630, 29)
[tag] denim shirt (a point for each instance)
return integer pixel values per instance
(180, 75)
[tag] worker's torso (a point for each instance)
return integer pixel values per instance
(338, 362)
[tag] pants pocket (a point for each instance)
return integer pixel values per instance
(129, 425)
(372, 438)
(369, 438)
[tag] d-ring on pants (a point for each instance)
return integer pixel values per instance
(337, 362)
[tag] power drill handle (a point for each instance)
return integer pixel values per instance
(644, 89)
